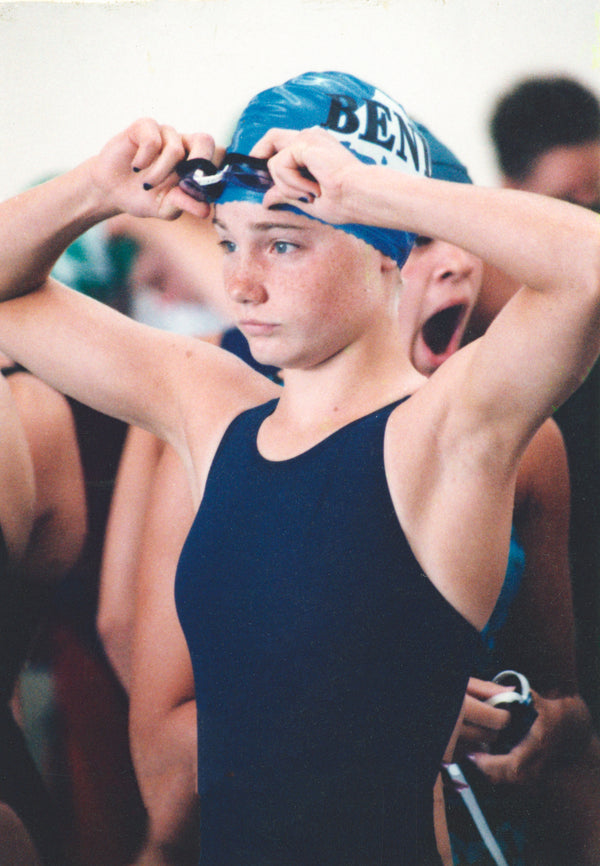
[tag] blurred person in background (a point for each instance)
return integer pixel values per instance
(546, 134)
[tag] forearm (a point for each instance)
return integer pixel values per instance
(534, 239)
(38, 225)
(133, 173)
(549, 247)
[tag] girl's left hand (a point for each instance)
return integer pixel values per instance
(311, 171)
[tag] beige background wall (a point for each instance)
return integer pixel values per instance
(72, 74)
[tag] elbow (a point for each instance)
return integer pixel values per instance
(165, 763)
(163, 745)
(175, 831)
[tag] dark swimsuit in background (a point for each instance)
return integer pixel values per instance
(329, 671)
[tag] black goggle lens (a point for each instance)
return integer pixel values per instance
(204, 182)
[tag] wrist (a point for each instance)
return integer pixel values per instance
(379, 196)
(96, 200)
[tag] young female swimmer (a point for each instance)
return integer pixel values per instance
(354, 526)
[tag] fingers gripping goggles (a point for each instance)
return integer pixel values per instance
(204, 182)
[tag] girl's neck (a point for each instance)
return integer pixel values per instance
(316, 402)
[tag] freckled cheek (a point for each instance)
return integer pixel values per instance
(329, 300)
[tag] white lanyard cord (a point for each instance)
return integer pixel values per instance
(460, 784)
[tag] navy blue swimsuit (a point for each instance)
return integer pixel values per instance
(329, 671)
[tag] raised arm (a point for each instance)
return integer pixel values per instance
(85, 349)
(132, 174)
(542, 344)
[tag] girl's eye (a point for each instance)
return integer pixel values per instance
(283, 247)
(227, 246)
(422, 241)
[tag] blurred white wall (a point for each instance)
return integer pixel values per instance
(73, 74)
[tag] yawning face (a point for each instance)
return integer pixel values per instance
(441, 286)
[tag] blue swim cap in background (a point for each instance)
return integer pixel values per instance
(374, 127)
(444, 164)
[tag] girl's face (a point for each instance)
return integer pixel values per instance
(301, 291)
(441, 286)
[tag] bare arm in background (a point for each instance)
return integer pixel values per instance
(123, 547)
(162, 699)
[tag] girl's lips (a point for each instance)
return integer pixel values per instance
(254, 328)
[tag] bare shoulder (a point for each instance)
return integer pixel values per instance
(214, 386)
(448, 426)
(228, 375)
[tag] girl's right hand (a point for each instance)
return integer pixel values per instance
(134, 172)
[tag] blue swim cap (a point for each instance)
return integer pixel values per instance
(374, 127)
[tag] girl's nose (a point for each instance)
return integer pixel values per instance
(245, 285)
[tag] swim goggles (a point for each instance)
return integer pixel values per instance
(204, 182)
